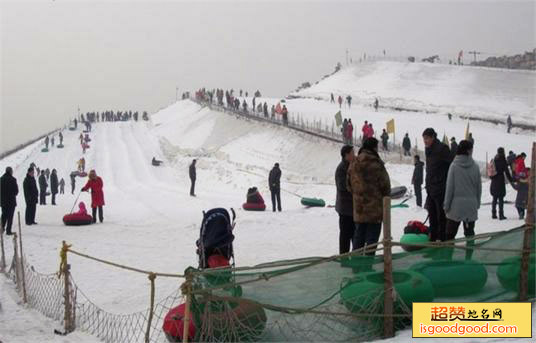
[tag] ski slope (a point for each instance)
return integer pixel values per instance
(152, 223)
(490, 93)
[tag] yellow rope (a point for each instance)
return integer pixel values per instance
(63, 257)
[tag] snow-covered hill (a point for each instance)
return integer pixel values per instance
(475, 91)
(152, 223)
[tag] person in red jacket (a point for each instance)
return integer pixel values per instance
(364, 130)
(520, 170)
(349, 132)
(97, 196)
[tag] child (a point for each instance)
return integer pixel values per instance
(522, 188)
(82, 209)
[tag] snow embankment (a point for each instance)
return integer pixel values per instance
(485, 93)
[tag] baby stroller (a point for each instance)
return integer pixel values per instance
(215, 243)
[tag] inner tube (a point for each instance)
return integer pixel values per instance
(453, 278)
(240, 320)
(60, 146)
(398, 192)
(509, 270)
(75, 219)
(173, 326)
(365, 292)
(313, 202)
(44, 150)
(413, 238)
(254, 207)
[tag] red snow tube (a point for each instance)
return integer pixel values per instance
(174, 325)
(77, 219)
(253, 207)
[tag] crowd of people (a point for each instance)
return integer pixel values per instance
(109, 116)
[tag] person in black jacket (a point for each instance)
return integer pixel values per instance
(54, 185)
(498, 184)
(453, 147)
(30, 196)
(406, 144)
(417, 179)
(344, 202)
(274, 182)
(438, 159)
(192, 178)
(43, 185)
(8, 199)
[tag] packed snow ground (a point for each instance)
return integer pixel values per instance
(152, 223)
(477, 91)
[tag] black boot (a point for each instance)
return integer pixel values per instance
(494, 215)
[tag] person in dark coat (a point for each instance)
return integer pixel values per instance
(73, 182)
(510, 160)
(8, 199)
(274, 182)
(61, 138)
(508, 124)
(438, 159)
(54, 185)
(522, 197)
(193, 176)
(31, 195)
(417, 179)
(343, 204)
(369, 183)
(406, 144)
(453, 147)
(46, 142)
(43, 185)
(385, 139)
(62, 186)
(498, 184)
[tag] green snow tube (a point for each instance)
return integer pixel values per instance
(313, 202)
(452, 278)
(413, 238)
(508, 273)
(60, 146)
(44, 150)
(365, 292)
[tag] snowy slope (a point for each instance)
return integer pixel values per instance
(481, 92)
(152, 223)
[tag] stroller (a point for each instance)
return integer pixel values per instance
(215, 243)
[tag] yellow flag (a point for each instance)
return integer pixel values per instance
(390, 126)
(467, 131)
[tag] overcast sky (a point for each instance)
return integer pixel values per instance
(58, 55)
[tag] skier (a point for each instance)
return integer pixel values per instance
(376, 104)
(343, 204)
(340, 101)
(73, 182)
(61, 138)
(385, 138)
(509, 124)
(46, 142)
(43, 188)
(274, 182)
(54, 185)
(417, 178)
(97, 195)
(193, 177)
(8, 199)
(438, 159)
(406, 144)
(349, 100)
(62, 186)
(31, 195)
(369, 183)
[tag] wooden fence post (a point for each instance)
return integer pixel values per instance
(388, 325)
(530, 220)
(16, 261)
(187, 290)
(3, 252)
(66, 271)
(24, 297)
(152, 277)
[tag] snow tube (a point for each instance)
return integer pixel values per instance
(75, 219)
(60, 146)
(173, 326)
(398, 192)
(359, 263)
(452, 278)
(72, 128)
(253, 207)
(44, 150)
(233, 321)
(85, 146)
(508, 273)
(413, 238)
(312, 202)
(365, 291)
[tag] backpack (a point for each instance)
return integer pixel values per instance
(491, 170)
(216, 235)
(415, 226)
